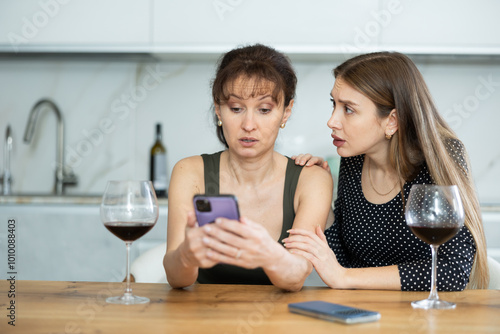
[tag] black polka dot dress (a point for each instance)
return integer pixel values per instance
(375, 235)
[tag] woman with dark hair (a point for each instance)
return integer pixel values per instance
(390, 136)
(253, 93)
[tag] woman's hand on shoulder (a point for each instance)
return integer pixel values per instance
(307, 159)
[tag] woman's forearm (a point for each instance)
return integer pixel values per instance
(377, 278)
(178, 274)
(288, 271)
(314, 247)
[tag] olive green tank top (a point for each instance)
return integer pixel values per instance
(228, 274)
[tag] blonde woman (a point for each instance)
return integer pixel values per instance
(390, 136)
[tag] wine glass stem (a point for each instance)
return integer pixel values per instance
(128, 289)
(434, 294)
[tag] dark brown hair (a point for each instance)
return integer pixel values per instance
(256, 64)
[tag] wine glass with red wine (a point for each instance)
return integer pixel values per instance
(434, 214)
(129, 209)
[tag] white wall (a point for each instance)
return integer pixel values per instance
(110, 105)
(110, 108)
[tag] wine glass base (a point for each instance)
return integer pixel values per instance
(127, 300)
(436, 304)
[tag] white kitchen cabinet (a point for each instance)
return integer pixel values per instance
(327, 28)
(68, 242)
(470, 26)
(201, 28)
(72, 25)
(291, 26)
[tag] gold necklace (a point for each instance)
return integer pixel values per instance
(371, 183)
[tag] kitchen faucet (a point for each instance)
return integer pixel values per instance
(6, 177)
(62, 177)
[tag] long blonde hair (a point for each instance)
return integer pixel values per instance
(392, 81)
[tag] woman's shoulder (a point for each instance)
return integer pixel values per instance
(315, 171)
(189, 166)
(314, 178)
(455, 146)
(456, 149)
(304, 171)
(314, 186)
(187, 178)
(190, 162)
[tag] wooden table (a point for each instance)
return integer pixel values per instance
(79, 307)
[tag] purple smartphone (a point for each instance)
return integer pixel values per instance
(208, 208)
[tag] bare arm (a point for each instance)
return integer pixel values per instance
(185, 250)
(314, 199)
(314, 247)
(249, 245)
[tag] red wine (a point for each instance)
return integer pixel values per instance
(129, 231)
(434, 235)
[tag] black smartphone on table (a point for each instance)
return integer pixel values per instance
(208, 208)
(334, 312)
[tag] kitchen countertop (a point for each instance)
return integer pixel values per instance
(37, 199)
(490, 207)
(52, 306)
(95, 199)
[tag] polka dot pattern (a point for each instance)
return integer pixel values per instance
(457, 151)
(375, 235)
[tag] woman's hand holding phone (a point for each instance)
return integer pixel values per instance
(196, 250)
(193, 252)
(232, 240)
(245, 243)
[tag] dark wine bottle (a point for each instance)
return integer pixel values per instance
(158, 165)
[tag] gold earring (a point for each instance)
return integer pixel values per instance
(388, 136)
(219, 123)
(282, 125)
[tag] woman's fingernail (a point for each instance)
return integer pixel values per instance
(205, 240)
(218, 220)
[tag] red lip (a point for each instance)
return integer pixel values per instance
(337, 141)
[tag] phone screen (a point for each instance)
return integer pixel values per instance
(208, 208)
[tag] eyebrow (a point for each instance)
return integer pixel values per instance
(349, 102)
(241, 98)
(236, 96)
